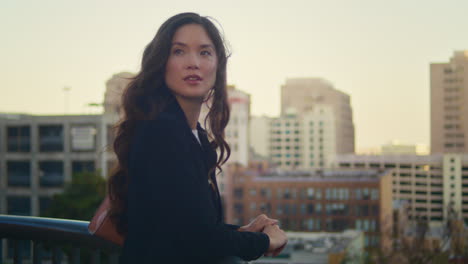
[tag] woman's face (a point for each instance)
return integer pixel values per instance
(191, 66)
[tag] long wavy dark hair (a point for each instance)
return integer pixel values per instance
(147, 95)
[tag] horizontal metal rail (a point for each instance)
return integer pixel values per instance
(60, 232)
(57, 232)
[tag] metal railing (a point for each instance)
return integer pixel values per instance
(54, 234)
(50, 236)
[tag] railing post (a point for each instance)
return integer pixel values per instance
(17, 252)
(76, 255)
(37, 252)
(57, 255)
(113, 258)
(96, 256)
(1, 250)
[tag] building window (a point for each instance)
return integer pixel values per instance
(51, 174)
(19, 205)
(279, 209)
(253, 192)
(238, 208)
(82, 166)
(265, 208)
(19, 173)
(405, 166)
(238, 193)
(303, 209)
(44, 204)
(51, 138)
(83, 138)
(357, 194)
(318, 194)
(265, 193)
(365, 194)
(358, 224)
(19, 139)
(318, 208)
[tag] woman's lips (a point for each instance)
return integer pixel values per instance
(193, 79)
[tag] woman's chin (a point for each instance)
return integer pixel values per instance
(192, 97)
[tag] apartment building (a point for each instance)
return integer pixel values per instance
(432, 184)
(38, 154)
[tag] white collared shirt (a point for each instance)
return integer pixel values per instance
(195, 132)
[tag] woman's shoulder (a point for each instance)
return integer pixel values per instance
(160, 132)
(162, 125)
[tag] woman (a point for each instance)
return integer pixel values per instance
(164, 193)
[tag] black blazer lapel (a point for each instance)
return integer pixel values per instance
(210, 158)
(203, 149)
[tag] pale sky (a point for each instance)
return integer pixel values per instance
(376, 51)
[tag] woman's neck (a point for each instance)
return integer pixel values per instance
(191, 110)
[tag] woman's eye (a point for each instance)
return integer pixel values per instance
(177, 51)
(206, 52)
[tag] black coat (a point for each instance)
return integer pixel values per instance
(174, 216)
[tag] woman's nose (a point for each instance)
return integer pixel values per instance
(193, 61)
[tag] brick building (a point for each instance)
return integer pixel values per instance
(331, 201)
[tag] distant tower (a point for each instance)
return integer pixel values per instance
(237, 130)
(114, 89)
(449, 111)
(304, 94)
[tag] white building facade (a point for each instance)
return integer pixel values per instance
(432, 184)
(305, 141)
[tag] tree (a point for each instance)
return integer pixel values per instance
(79, 201)
(80, 198)
(419, 247)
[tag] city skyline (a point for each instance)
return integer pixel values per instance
(367, 50)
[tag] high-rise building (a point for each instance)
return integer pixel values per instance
(303, 141)
(236, 132)
(259, 135)
(302, 95)
(449, 96)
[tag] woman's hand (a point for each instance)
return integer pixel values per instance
(258, 224)
(278, 240)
